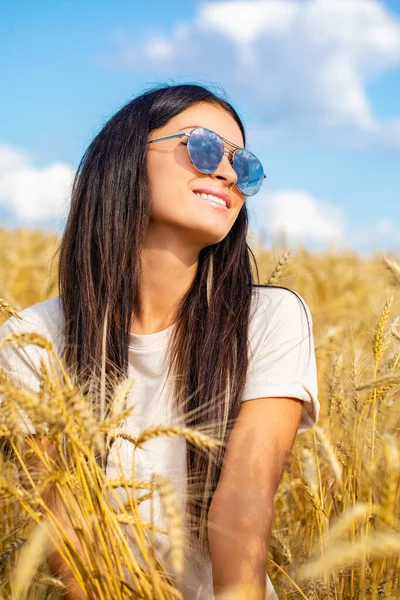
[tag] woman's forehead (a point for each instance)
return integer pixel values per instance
(211, 117)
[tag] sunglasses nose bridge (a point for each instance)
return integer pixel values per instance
(230, 154)
(221, 169)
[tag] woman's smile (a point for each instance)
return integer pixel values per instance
(213, 201)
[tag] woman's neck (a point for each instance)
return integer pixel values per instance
(167, 274)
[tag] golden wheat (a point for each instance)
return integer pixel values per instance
(8, 310)
(174, 518)
(280, 265)
(380, 339)
(337, 506)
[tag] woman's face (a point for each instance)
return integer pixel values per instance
(172, 178)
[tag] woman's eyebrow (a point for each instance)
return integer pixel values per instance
(188, 126)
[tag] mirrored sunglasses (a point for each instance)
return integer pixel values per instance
(206, 150)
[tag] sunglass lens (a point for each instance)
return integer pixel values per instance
(249, 170)
(205, 149)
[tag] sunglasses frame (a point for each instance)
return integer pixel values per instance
(178, 135)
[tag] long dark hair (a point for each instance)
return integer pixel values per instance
(99, 271)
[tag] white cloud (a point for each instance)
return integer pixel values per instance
(273, 17)
(298, 217)
(304, 65)
(381, 236)
(33, 194)
(160, 49)
(301, 218)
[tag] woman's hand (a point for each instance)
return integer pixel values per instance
(56, 563)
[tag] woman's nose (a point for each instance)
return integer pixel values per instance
(225, 171)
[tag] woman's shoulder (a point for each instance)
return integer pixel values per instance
(270, 301)
(44, 318)
(23, 362)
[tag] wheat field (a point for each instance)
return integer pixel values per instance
(335, 532)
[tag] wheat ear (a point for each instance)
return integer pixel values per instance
(175, 521)
(9, 310)
(279, 267)
(380, 339)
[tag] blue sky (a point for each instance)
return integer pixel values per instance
(317, 83)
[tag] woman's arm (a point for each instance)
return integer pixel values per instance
(241, 511)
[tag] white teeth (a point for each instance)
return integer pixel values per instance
(211, 197)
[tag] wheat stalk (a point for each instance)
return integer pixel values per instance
(390, 487)
(195, 437)
(174, 519)
(336, 388)
(358, 512)
(25, 339)
(330, 453)
(8, 310)
(121, 394)
(278, 270)
(31, 556)
(347, 553)
(383, 383)
(380, 340)
(392, 266)
(11, 548)
(311, 478)
(36, 339)
(80, 413)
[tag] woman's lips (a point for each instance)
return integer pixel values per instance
(212, 203)
(215, 192)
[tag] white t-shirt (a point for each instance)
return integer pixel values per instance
(282, 364)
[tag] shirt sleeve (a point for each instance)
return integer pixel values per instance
(282, 355)
(23, 364)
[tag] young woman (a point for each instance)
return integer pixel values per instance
(155, 269)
